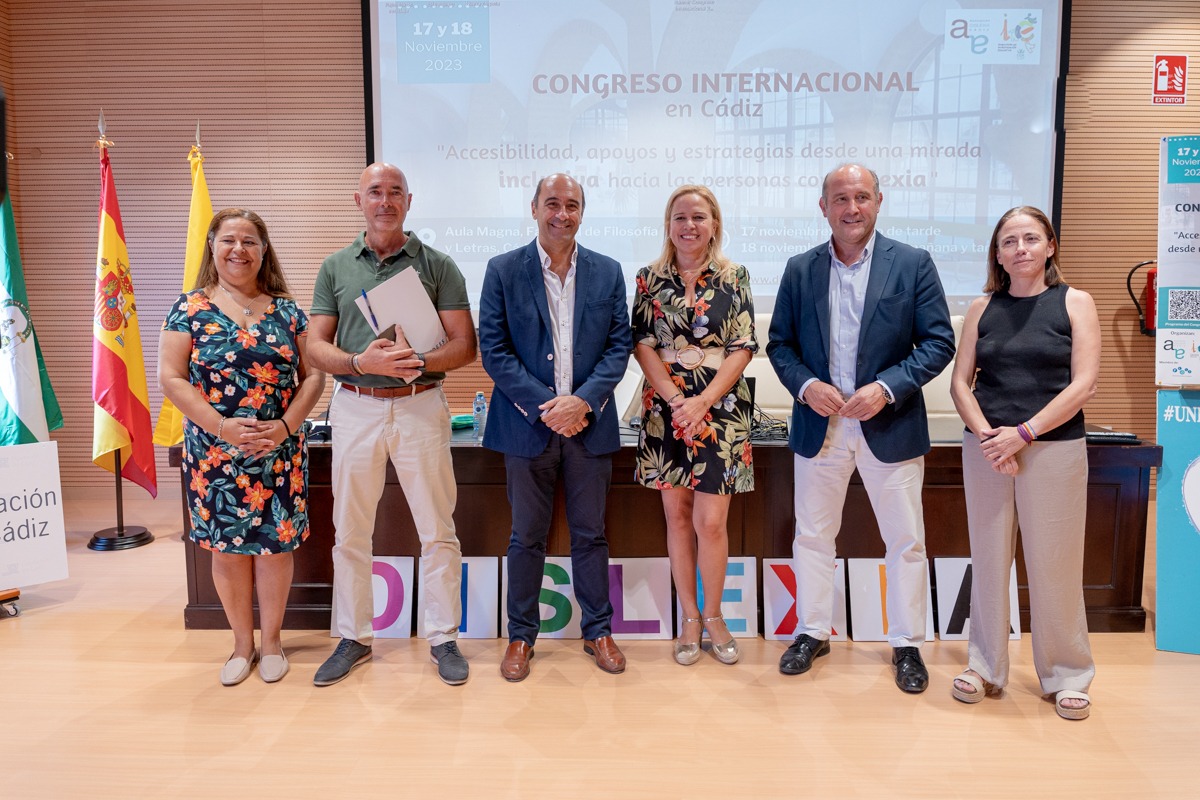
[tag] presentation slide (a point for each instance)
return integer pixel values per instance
(952, 104)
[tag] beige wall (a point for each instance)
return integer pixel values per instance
(277, 87)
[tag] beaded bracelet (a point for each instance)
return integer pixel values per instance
(220, 428)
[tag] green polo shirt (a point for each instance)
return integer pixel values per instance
(348, 272)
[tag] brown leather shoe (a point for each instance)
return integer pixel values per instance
(515, 664)
(608, 656)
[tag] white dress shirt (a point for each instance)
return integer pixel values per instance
(847, 297)
(560, 298)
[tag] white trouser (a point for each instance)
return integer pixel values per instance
(895, 492)
(415, 433)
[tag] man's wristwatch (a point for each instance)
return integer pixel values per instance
(420, 369)
(887, 394)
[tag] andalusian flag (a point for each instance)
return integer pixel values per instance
(122, 406)
(169, 430)
(28, 408)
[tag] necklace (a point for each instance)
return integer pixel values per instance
(245, 307)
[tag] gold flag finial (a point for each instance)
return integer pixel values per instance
(103, 141)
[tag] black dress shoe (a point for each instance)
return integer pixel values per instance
(798, 658)
(911, 675)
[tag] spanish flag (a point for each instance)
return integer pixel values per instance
(169, 430)
(122, 405)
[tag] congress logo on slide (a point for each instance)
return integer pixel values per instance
(980, 36)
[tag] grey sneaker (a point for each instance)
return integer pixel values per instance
(452, 667)
(348, 655)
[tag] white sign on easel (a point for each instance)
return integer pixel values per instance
(33, 539)
(954, 578)
(868, 600)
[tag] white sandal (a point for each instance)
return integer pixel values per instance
(1066, 712)
(982, 688)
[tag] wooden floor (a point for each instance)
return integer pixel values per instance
(105, 695)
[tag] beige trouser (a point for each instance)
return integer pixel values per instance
(414, 432)
(1048, 497)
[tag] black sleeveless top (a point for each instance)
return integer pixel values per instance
(1023, 359)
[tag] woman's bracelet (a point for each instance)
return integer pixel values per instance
(673, 397)
(1026, 432)
(220, 428)
(286, 427)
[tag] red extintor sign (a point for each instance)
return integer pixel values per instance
(1170, 81)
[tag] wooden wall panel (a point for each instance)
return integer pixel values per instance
(277, 88)
(1110, 178)
(6, 74)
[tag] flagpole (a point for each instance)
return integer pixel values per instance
(120, 537)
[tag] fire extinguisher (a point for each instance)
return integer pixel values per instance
(1147, 317)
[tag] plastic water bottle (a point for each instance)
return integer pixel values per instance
(479, 414)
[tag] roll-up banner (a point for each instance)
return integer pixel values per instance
(1177, 372)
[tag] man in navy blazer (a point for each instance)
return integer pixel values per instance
(860, 325)
(555, 338)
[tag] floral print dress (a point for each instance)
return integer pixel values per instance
(718, 461)
(243, 505)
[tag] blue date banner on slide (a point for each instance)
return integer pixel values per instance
(442, 42)
(1183, 159)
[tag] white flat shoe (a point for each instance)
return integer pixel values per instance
(273, 668)
(238, 669)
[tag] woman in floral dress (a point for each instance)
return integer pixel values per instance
(693, 327)
(232, 359)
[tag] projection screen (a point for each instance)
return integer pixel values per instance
(953, 104)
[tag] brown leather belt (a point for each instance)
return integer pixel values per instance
(390, 392)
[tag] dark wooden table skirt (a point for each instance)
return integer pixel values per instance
(760, 525)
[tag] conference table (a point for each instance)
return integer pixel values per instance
(760, 523)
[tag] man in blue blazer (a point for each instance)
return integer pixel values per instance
(860, 325)
(555, 338)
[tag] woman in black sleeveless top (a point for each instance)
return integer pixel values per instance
(1027, 363)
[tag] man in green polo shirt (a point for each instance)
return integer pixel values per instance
(389, 404)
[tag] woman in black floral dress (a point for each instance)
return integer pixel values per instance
(231, 358)
(693, 326)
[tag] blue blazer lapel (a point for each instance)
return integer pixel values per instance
(537, 286)
(819, 274)
(881, 269)
(583, 274)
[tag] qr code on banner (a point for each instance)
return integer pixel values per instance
(1183, 305)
